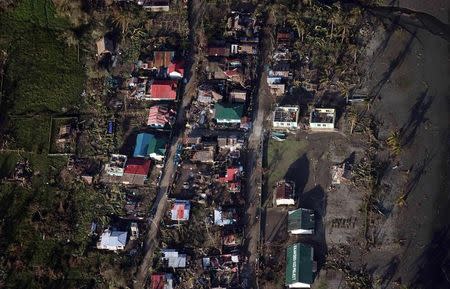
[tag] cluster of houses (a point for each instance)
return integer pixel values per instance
(279, 78)
(210, 174)
(155, 80)
(300, 264)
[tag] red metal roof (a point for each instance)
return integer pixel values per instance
(159, 115)
(137, 166)
(230, 175)
(164, 89)
(158, 281)
(177, 66)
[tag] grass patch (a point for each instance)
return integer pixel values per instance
(42, 73)
(280, 155)
(31, 134)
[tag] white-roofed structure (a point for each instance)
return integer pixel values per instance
(112, 240)
(174, 259)
(180, 210)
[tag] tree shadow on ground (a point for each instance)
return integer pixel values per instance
(416, 175)
(388, 274)
(316, 199)
(395, 63)
(416, 118)
(434, 263)
(298, 173)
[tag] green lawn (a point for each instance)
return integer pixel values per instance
(280, 156)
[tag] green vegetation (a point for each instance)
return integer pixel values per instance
(280, 157)
(42, 73)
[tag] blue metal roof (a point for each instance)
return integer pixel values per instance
(142, 142)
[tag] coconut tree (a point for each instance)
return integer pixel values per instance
(394, 143)
(294, 18)
(335, 19)
(121, 19)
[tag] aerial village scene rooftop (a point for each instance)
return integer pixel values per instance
(217, 144)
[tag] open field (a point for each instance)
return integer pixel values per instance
(280, 157)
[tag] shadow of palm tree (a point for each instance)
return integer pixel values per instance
(395, 63)
(416, 118)
(434, 263)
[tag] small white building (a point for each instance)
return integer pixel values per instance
(322, 119)
(112, 240)
(116, 165)
(155, 5)
(134, 231)
(286, 117)
(174, 259)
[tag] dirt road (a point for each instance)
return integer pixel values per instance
(196, 8)
(254, 156)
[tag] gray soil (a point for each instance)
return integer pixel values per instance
(410, 77)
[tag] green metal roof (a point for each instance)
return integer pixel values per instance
(299, 264)
(157, 146)
(301, 219)
(226, 111)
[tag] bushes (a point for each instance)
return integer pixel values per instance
(42, 73)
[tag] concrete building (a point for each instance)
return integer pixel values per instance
(116, 165)
(285, 117)
(322, 119)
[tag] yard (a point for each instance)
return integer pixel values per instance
(281, 156)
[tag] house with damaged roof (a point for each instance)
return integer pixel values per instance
(162, 281)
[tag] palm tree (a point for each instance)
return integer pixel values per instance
(334, 19)
(353, 50)
(295, 19)
(394, 142)
(121, 19)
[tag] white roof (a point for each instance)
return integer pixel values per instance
(219, 219)
(180, 210)
(113, 238)
(175, 259)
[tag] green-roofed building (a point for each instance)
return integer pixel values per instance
(301, 221)
(148, 145)
(299, 266)
(228, 113)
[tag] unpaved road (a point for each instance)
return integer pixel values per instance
(196, 8)
(254, 157)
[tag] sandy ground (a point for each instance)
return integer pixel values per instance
(410, 76)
